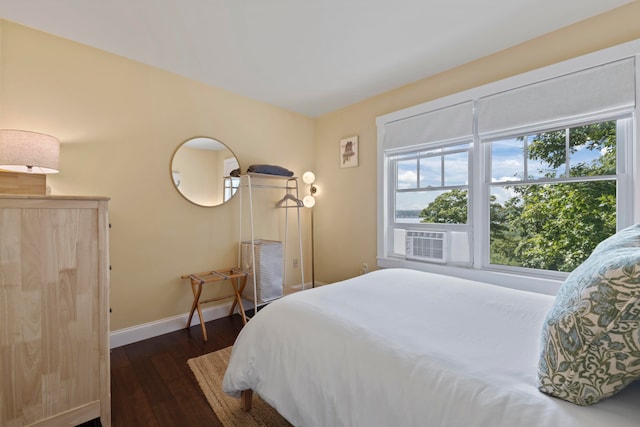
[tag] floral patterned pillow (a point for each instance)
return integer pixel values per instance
(590, 345)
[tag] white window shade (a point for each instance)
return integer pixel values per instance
(433, 126)
(605, 88)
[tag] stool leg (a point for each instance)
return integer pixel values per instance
(233, 307)
(196, 299)
(204, 329)
(238, 299)
(197, 291)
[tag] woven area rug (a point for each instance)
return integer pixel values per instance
(209, 371)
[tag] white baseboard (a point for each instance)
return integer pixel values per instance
(163, 326)
(308, 285)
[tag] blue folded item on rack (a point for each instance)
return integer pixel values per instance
(270, 170)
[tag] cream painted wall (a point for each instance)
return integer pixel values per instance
(345, 213)
(119, 123)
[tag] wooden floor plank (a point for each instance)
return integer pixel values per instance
(129, 404)
(151, 384)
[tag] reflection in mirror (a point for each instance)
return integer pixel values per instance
(201, 171)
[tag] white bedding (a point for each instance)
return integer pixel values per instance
(406, 348)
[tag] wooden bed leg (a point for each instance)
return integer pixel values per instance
(246, 396)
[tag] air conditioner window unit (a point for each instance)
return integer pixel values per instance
(426, 246)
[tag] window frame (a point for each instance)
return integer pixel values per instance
(627, 177)
(623, 204)
(416, 153)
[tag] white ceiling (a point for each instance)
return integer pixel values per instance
(308, 56)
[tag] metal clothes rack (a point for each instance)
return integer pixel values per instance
(290, 200)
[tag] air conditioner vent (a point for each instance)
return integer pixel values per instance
(426, 245)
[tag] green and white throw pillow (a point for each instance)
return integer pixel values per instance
(590, 345)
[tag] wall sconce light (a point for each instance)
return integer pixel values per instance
(309, 201)
(24, 159)
(309, 178)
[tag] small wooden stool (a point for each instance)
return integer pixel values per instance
(238, 280)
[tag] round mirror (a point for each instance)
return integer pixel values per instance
(201, 169)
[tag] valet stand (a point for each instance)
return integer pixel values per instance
(235, 276)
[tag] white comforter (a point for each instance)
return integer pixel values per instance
(406, 348)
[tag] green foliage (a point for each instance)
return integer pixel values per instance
(560, 224)
(447, 208)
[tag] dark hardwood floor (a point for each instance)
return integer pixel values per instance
(151, 384)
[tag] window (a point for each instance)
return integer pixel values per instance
(552, 196)
(430, 178)
(231, 184)
(523, 176)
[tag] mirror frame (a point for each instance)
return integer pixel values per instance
(172, 171)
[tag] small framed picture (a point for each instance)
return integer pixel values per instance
(349, 152)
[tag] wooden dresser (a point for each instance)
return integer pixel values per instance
(54, 311)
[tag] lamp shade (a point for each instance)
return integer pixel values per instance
(32, 152)
(309, 201)
(308, 177)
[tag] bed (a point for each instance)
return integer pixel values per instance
(399, 347)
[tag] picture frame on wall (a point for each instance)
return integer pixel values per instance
(349, 152)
